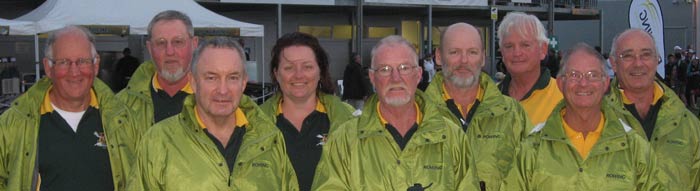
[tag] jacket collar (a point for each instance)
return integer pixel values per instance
(671, 111)
(553, 129)
(432, 123)
(542, 82)
(493, 101)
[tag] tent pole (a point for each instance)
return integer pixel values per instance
(36, 58)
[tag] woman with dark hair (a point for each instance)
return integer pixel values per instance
(304, 108)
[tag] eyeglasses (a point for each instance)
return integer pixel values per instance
(403, 69)
(177, 42)
(63, 64)
(590, 76)
(644, 56)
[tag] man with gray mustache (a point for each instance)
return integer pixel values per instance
(400, 141)
(494, 123)
(158, 88)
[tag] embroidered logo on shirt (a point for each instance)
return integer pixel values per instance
(323, 138)
(100, 140)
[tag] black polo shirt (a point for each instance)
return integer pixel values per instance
(457, 110)
(73, 160)
(648, 123)
(165, 106)
(401, 140)
(230, 152)
(304, 147)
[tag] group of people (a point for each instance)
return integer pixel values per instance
(183, 123)
(683, 75)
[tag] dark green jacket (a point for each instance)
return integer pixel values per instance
(176, 154)
(619, 160)
(495, 131)
(364, 156)
(675, 140)
(137, 96)
(338, 111)
(19, 127)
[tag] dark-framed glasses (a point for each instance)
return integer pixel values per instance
(591, 76)
(404, 69)
(66, 63)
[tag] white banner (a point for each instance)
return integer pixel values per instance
(434, 2)
(646, 15)
(284, 2)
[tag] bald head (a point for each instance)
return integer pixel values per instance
(460, 29)
(631, 34)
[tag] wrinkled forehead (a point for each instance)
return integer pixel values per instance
(394, 55)
(635, 41)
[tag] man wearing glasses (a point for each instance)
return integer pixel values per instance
(67, 132)
(523, 44)
(654, 110)
(584, 145)
(494, 123)
(158, 88)
(401, 140)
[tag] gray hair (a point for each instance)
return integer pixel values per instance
(217, 42)
(392, 41)
(583, 48)
(70, 29)
(170, 15)
(523, 24)
(628, 31)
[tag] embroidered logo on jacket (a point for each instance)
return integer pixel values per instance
(101, 142)
(322, 139)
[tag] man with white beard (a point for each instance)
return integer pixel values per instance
(494, 123)
(401, 140)
(158, 88)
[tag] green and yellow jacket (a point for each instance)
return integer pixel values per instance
(176, 154)
(675, 139)
(363, 155)
(137, 96)
(338, 111)
(19, 127)
(494, 132)
(619, 160)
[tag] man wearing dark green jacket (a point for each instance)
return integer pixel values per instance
(67, 132)
(494, 123)
(654, 110)
(400, 141)
(584, 144)
(221, 140)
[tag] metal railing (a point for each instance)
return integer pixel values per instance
(579, 4)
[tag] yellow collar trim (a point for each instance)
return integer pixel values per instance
(156, 85)
(241, 120)
(419, 115)
(446, 96)
(658, 93)
(47, 108)
(319, 106)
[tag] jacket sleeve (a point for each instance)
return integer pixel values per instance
(648, 172)
(333, 171)
(695, 169)
(3, 154)
(519, 175)
(146, 173)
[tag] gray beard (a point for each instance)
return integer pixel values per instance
(172, 77)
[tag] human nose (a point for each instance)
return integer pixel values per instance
(169, 48)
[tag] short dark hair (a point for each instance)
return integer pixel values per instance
(217, 42)
(325, 85)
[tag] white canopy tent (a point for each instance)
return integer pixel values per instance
(19, 27)
(54, 14)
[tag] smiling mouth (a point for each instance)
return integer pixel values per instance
(298, 84)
